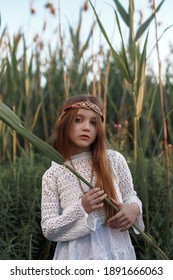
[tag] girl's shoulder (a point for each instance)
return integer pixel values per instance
(115, 155)
(54, 171)
(117, 160)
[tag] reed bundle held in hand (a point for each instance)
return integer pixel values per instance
(12, 120)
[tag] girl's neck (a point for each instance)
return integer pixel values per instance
(75, 151)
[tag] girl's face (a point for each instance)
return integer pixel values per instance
(83, 132)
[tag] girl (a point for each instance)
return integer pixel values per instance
(75, 216)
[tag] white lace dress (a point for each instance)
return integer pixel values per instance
(82, 236)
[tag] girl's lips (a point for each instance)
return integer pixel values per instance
(84, 136)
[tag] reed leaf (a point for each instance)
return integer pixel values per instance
(123, 13)
(3, 34)
(36, 116)
(124, 56)
(141, 81)
(120, 63)
(10, 118)
(145, 25)
(167, 28)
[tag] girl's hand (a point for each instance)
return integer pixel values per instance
(93, 200)
(126, 216)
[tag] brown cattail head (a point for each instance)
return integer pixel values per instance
(86, 6)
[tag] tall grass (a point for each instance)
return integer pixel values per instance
(35, 90)
(131, 62)
(21, 236)
(165, 133)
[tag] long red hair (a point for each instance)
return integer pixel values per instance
(98, 148)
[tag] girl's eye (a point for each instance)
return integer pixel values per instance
(78, 120)
(93, 122)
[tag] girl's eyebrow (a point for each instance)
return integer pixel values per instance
(81, 115)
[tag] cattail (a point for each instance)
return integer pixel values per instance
(41, 45)
(52, 11)
(35, 38)
(32, 10)
(48, 5)
(86, 6)
(51, 8)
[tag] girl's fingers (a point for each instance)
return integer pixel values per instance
(117, 203)
(93, 200)
(100, 198)
(96, 194)
(113, 222)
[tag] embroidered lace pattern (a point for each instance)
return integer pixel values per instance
(80, 235)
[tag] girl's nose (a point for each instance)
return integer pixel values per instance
(86, 126)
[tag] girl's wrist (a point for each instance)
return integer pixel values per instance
(135, 207)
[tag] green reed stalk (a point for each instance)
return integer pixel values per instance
(62, 54)
(106, 89)
(165, 134)
(12, 120)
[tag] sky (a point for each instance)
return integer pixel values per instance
(16, 16)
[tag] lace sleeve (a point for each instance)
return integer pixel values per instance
(129, 195)
(57, 226)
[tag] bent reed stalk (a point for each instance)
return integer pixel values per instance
(12, 120)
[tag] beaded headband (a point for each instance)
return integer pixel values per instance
(85, 105)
